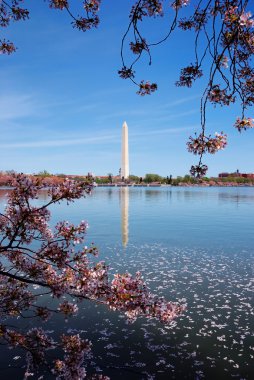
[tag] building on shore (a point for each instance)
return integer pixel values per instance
(236, 174)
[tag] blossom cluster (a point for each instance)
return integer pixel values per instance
(130, 294)
(247, 75)
(196, 21)
(146, 8)
(198, 171)
(206, 144)
(244, 123)
(7, 47)
(153, 7)
(72, 234)
(180, 3)
(68, 190)
(68, 308)
(146, 88)
(126, 73)
(246, 20)
(223, 61)
(83, 23)
(233, 16)
(138, 46)
(188, 75)
(14, 296)
(75, 349)
(12, 12)
(92, 6)
(36, 339)
(220, 96)
(58, 4)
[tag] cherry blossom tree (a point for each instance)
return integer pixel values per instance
(37, 261)
(223, 39)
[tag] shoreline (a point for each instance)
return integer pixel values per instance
(181, 184)
(226, 184)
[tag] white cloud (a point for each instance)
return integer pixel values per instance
(14, 106)
(99, 139)
(164, 131)
(180, 101)
(60, 142)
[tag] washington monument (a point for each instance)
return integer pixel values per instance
(125, 171)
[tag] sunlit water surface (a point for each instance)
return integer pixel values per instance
(190, 243)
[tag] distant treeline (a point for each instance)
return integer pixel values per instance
(47, 178)
(177, 181)
(50, 179)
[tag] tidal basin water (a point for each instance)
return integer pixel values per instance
(195, 245)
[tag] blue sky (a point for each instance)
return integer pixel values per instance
(62, 104)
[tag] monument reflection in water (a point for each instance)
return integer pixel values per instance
(124, 201)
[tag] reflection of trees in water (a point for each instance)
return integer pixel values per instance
(158, 193)
(228, 194)
(236, 197)
(110, 192)
(153, 193)
(42, 194)
(190, 194)
(3, 194)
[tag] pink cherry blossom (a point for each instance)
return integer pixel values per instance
(61, 265)
(244, 123)
(246, 20)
